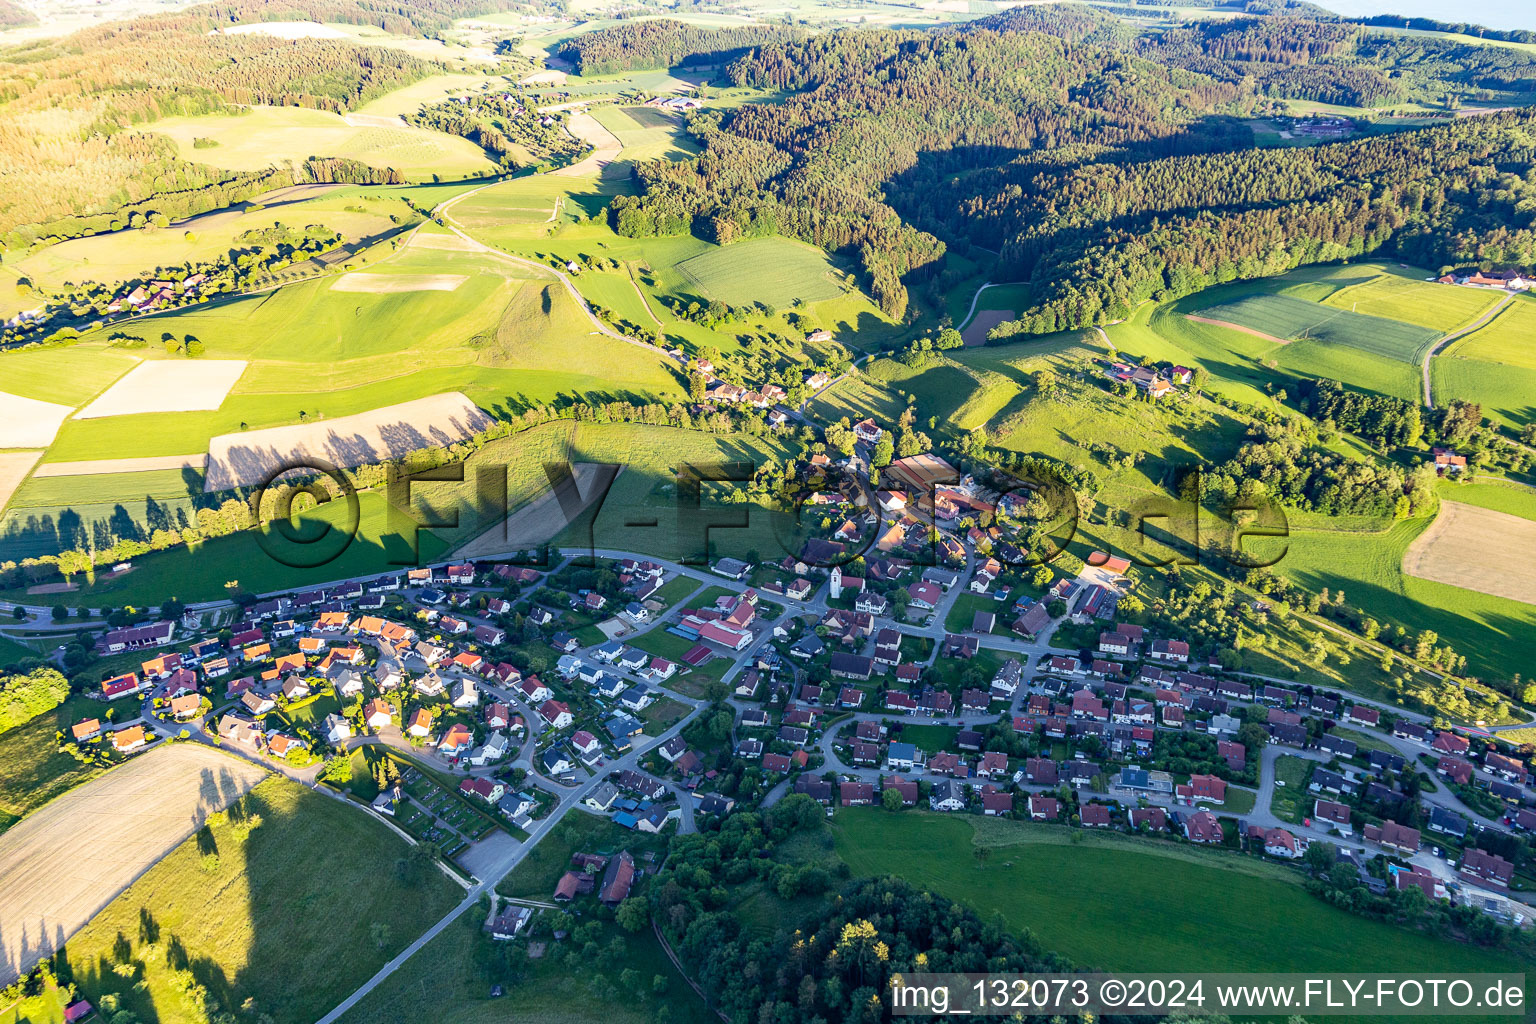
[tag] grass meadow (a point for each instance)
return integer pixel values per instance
(239, 908)
(1294, 319)
(123, 255)
(1124, 903)
(270, 136)
(1494, 366)
(32, 769)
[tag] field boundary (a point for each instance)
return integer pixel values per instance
(1236, 327)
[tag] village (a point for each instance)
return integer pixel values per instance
(468, 704)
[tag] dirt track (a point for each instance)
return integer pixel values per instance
(1478, 549)
(1236, 327)
(64, 862)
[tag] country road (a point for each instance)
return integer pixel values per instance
(1482, 321)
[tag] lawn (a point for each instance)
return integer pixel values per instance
(1291, 802)
(238, 907)
(1123, 904)
(32, 769)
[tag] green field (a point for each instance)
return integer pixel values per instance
(503, 336)
(1123, 903)
(1494, 366)
(272, 136)
(1294, 319)
(32, 769)
(773, 270)
(244, 920)
(1438, 307)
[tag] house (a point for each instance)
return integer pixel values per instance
(924, 595)
(1335, 814)
(257, 704)
(947, 795)
(901, 756)
(996, 804)
(867, 431)
(1361, 715)
(1280, 843)
(455, 740)
(556, 713)
(185, 706)
(1094, 815)
(617, 879)
(1489, 868)
(1450, 743)
(1202, 827)
(850, 666)
(504, 925)
(122, 686)
(906, 787)
(129, 739)
(1154, 819)
(1447, 822)
(1397, 837)
(1448, 462)
(337, 730)
(1505, 766)
(555, 762)
(136, 638)
(856, 794)
(86, 730)
(1176, 651)
(419, 724)
(1043, 808)
(234, 729)
(377, 714)
(489, 790)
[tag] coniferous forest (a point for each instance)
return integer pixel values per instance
(1106, 168)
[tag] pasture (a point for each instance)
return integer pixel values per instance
(272, 136)
(224, 905)
(501, 337)
(1494, 366)
(1289, 318)
(1139, 922)
(1479, 549)
(171, 791)
(1438, 307)
(773, 270)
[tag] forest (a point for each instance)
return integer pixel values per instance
(504, 128)
(1102, 168)
(842, 958)
(662, 43)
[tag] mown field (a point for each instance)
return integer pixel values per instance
(238, 907)
(1124, 904)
